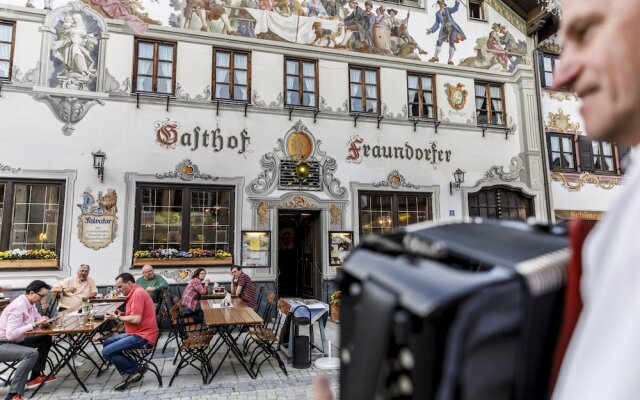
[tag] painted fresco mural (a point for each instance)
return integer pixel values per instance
(438, 33)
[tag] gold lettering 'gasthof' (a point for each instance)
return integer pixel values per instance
(358, 150)
(168, 136)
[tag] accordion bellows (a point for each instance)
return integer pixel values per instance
(464, 311)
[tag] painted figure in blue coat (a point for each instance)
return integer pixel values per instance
(449, 32)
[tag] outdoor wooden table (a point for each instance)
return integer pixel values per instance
(74, 335)
(223, 320)
(213, 296)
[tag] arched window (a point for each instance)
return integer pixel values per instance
(501, 203)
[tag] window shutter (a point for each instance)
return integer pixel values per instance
(623, 152)
(586, 153)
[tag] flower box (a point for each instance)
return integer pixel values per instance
(15, 264)
(179, 262)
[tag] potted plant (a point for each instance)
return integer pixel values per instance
(334, 305)
(19, 258)
(173, 257)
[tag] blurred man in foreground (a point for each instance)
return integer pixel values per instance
(600, 62)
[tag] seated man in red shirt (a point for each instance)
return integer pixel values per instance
(243, 287)
(140, 326)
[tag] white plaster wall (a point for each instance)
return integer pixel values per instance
(119, 56)
(267, 70)
(588, 198)
(393, 89)
(333, 82)
(192, 70)
(27, 40)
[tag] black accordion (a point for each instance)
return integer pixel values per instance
(461, 311)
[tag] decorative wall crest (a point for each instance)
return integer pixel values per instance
(561, 122)
(4, 168)
(395, 180)
(263, 216)
(277, 104)
(202, 97)
(299, 202)
(112, 85)
(186, 171)
(497, 172)
(575, 183)
(267, 180)
(68, 110)
(325, 107)
(456, 95)
(335, 213)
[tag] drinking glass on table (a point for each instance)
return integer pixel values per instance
(60, 321)
(91, 317)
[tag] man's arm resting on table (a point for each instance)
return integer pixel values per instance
(130, 319)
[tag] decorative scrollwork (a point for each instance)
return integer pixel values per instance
(69, 110)
(278, 103)
(498, 173)
(29, 77)
(202, 97)
(395, 180)
(186, 171)
(270, 164)
(267, 177)
(112, 85)
(4, 168)
(560, 96)
(390, 115)
(182, 275)
(325, 107)
(332, 184)
(561, 122)
(578, 183)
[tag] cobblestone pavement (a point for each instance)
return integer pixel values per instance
(231, 382)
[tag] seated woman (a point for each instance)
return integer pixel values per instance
(190, 301)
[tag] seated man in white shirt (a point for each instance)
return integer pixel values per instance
(74, 288)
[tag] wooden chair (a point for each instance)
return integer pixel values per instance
(5, 367)
(259, 296)
(144, 358)
(266, 338)
(193, 344)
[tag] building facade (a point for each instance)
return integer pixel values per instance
(275, 135)
(584, 175)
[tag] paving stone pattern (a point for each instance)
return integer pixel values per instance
(231, 382)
